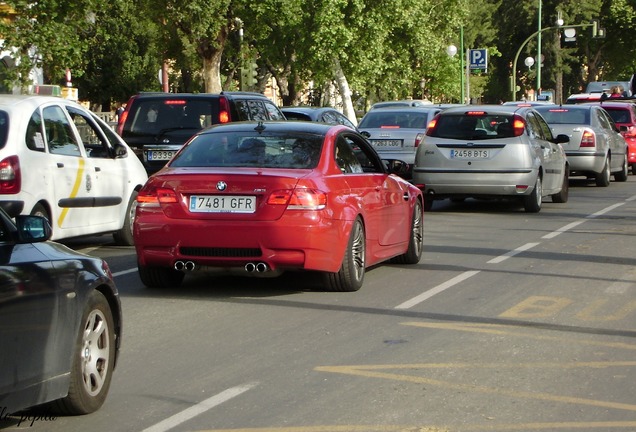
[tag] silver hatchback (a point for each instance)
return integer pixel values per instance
(492, 151)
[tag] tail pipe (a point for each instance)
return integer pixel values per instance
(259, 267)
(185, 266)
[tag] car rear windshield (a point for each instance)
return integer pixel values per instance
(169, 116)
(394, 120)
(251, 149)
(619, 115)
(565, 115)
(475, 126)
(4, 128)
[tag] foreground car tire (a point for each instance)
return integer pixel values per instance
(532, 202)
(562, 196)
(351, 273)
(160, 277)
(93, 359)
(124, 237)
(416, 241)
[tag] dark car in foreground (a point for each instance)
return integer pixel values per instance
(156, 125)
(60, 322)
(596, 148)
(492, 152)
(263, 198)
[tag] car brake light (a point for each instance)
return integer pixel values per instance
(588, 139)
(224, 110)
(430, 129)
(10, 176)
(518, 125)
(418, 139)
(156, 196)
(389, 127)
(475, 113)
(174, 102)
(299, 199)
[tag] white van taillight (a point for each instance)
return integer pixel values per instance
(588, 139)
(10, 176)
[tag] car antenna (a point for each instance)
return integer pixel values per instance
(260, 127)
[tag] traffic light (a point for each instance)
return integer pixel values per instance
(248, 75)
(597, 32)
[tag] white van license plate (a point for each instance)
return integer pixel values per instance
(469, 154)
(222, 204)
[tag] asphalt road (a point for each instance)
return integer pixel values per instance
(510, 322)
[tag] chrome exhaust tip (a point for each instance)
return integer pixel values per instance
(190, 265)
(250, 267)
(179, 265)
(261, 267)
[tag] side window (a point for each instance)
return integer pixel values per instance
(273, 111)
(330, 118)
(34, 137)
(605, 123)
(257, 110)
(59, 134)
(91, 135)
(346, 158)
(243, 110)
(545, 127)
(532, 128)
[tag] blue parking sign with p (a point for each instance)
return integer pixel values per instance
(478, 59)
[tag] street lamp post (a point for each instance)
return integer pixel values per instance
(451, 51)
(539, 53)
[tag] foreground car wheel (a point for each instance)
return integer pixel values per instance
(93, 359)
(416, 241)
(351, 273)
(160, 277)
(603, 178)
(532, 202)
(124, 237)
(562, 196)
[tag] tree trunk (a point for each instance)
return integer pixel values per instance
(345, 92)
(212, 71)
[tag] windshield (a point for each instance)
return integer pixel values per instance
(565, 115)
(158, 117)
(394, 120)
(251, 149)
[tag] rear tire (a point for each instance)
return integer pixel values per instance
(621, 176)
(532, 202)
(603, 178)
(93, 359)
(124, 237)
(562, 196)
(351, 273)
(416, 240)
(160, 277)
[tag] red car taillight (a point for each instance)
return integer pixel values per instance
(224, 110)
(518, 125)
(151, 196)
(10, 175)
(418, 139)
(588, 139)
(299, 199)
(430, 129)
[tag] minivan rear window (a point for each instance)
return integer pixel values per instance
(4, 128)
(153, 117)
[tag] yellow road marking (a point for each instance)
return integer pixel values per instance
(501, 329)
(76, 186)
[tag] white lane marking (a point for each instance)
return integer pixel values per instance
(123, 272)
(199, 408)
(605, 210)
(563, 229)
(512, 253)
(438, 289)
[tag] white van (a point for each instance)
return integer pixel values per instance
(60, 161)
